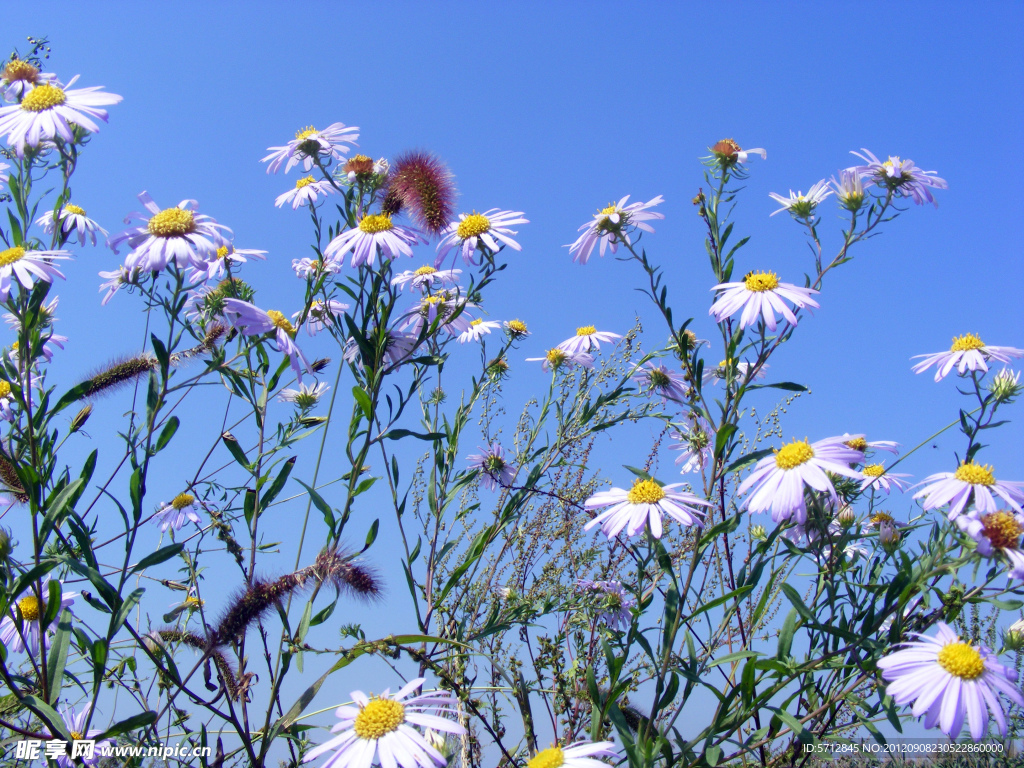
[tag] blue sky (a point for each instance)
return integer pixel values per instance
(555, 110)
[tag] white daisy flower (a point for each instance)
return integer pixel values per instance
(374, 230)
(644, 503)
(314, 268)
(310, 144)
(760, 293)
(849, 189)
(660, 380)
(306, 396)
(729, 152)
(398, 347)
(7, 399)
(22, 633)
(72, 219)
(18, 77)
(441, 307)
(516, 329)
(173, 234)
(253, 321)
(478, 329)
(697, 444)
(970, 481)
(425, 278)
(306, 192)
(610, 226)
(26, 267)
(381, 729)
(588, 338)
(995, 532)
(780, 479)
(580, 754)
(495, 471)
(47, 112)
(802, 206)
(225, 256)
(860, 443)
(174, 513)
(968, 353)
(322, 314)
(4, 175)
(490, 228)
(731, 369)
(116, 280)
(876, 476)
(556, 359)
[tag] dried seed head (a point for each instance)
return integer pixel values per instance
(424, 185)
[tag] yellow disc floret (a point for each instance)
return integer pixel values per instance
(793, 455)
(378, 718)
(966, 343)
(304, 182)
(282, 322)
(43, 97)
(11, 255)
(29, 607)
(1002, 529)
(476, 322)
(882, 517)
(424, 271)
(645, 492)
(961, 660)
(555, 357)
(5, 389)
(857, 444)
(759, 282)
(74, 209)
(874, 470)
(172, 222)
(517, 327)
(975, 474)
(222, 252)
(473, 225)
(305, 133)
(375, 222)
(17, 69)
(183, 500)
(551, 757)
(586, 330)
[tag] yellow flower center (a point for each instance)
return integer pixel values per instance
(424, 271)
(183, 500)
(882, 517)
(76, 736)
(433, 301)
(193, 602)
(609, 210)
(874, 470)
(5, 389)
(759, 282)
(375, 222)
(966, 342)
(517, 327)
(473, 225)
(305, 133)
(645, 492)
(555, 357)
(222, 252)
(551, 757)
(17, 69)
(172, 222)
(378, 718)
(961, 660)
(281, 321)
(1002, 529)
(29, 607)
(11, 255)
(857, 444)
(43, 97)
(586, 330)
(793, 455)
(74, 209)
(476, 322)
(975, 474)
(304, 182)
(726, 148)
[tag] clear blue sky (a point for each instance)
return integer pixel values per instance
(555, 109)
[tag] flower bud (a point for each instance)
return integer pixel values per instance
(1013, 640)
(758, 532)
(1005, 386)
(846, 516)
(888, 536)
(80, 418)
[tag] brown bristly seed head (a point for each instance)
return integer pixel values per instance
(119, 373)
(213, 334)
(320, 365)
(426, 187)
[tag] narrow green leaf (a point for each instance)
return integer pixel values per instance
(278, 484)
(363, 401)
(154, 558)
(167, 433)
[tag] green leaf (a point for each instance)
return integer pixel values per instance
(57, 655)
(371, 535)
(133, 723)
(130, 602)
(59, 505)
(786, 635)
(725, 433)
(235, 449)
(52, 720)
(363, 401)
(745, 461)
(154, 558)
(278, 484)
(398, 434)
(789, 386)
(167, 433)
(712, 755)
(249, 505)
(798, 603)
(731, 657)
(321, 504)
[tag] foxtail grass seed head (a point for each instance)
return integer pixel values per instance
(118, 374)
(425, 186)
